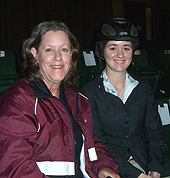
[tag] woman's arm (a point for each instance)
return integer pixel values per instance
(18, 134)
(154, 134)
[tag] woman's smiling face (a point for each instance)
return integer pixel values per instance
(118, 55)
(53, 57)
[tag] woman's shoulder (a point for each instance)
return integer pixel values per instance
(142, 82)
(20, 87)
(18, 95)
(91, 85)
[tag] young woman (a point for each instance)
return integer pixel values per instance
(124, 111)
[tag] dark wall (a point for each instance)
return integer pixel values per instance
(17, 18)
(160, 19)
(160, 24)
(136, 13)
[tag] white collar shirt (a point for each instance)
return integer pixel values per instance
(130, 84)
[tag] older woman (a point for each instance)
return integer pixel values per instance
(45, 127)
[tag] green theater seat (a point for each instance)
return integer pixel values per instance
(166, 128)
(8, 73)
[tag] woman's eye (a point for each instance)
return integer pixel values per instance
(64, 49)
(126, 49)
(113, 49)
(48, 50)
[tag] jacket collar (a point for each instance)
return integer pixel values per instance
(100, 83)
(40, 89)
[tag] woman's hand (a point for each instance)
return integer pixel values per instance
(142, 175)
(104, 173)
(155, 174)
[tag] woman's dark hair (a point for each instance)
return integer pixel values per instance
(30, 69)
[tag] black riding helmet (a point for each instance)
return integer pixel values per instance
(118, 29)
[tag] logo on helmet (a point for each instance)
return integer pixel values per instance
(123, 33)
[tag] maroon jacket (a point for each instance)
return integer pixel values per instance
(36, 135)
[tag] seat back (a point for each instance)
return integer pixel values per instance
(141, 59)
(8, 73)
(166, 128)
(7, 62)
(87, 70)
(160, 58)
(151, 75)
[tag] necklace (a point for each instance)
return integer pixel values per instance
(120, 92)
(121, 88)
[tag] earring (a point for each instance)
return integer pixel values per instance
(36, 63)
(71, 62)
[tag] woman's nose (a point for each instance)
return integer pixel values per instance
(120, 53)
(57, 55)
